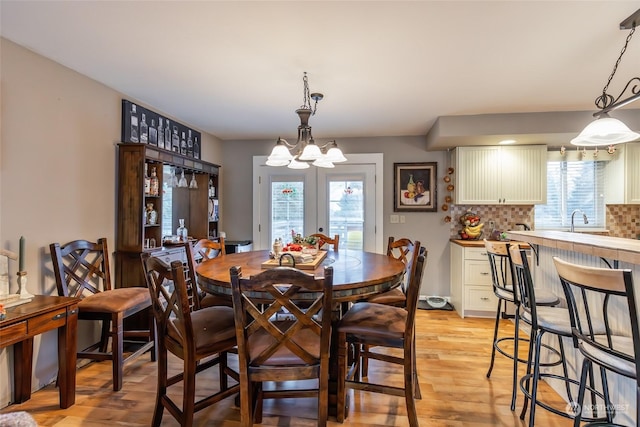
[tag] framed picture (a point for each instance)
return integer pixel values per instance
(414, 187)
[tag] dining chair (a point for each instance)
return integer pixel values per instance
(200, 337)
(280, 339)
(503, 288)
(202, 250)
(81, 269)
(605, 297)
(326, 240)
(406, 251)
(385, 326)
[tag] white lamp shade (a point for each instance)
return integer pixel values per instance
(280, 152)
(294, 164)
(276, 162)
(605, 131)
(323, 163)
(334, 155)
(311, 152)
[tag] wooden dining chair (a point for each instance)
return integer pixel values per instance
(326, 240)
(81, 269)
(202, 250)
(381, 325)
(280, 339)
(200, 337)
(406, 251)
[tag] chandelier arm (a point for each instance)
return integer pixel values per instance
(611, 103)
(605, 99)
(287, 144)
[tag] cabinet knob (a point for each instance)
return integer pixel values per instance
(484, 299)
(484, 273)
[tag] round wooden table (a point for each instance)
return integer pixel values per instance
(356, 274)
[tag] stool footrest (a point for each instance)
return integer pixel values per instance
(555, 352)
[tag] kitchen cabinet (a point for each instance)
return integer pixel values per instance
(492, 175)
(622, 175)
(134, 232)
(471, 285)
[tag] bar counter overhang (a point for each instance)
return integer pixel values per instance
(595, 251)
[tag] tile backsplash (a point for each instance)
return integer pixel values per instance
(622, 220)
(504, 217)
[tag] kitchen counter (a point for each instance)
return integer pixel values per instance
(478, 243)
(616, 248)
(595, 251)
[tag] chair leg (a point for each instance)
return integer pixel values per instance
(222, 366)
(586, 365)
(162, 387)
(189, 391)
(153, 336)
(495, 337)
(527, 381)
(342, 376)
(516, 339)
(116, 351)
(536, 375)
(104, 336)
(416, 382)
(364, 364)
(409, 387)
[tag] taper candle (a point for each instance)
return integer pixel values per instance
(21, 258)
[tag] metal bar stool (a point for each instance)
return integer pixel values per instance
(596, 297)
(501, 276)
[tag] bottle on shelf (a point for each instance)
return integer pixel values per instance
(134, 124)
(152, 214)
(175, 140)
(144, 130)
(183, 145)
(189, 145)
(155, 184)
(160, 133)
(196, 148)
(212, 189)
(182, 230)
(147, 180)
(153, 133)
(167, 136)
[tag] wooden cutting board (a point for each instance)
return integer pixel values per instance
(271, 263)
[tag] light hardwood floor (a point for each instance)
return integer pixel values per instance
(453, 356)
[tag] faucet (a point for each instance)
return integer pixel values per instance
(584, 216)
(524, 226)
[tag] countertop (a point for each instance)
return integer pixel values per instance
(478, 243)
(617, 248)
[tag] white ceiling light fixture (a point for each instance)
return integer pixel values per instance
(606, 130)
(305, 151)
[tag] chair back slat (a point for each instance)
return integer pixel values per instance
(594, 296)
(326, 240)
(499, 264)
(206, 249)
(523, 282)
(413, 294)
(81, 267)
(406, 251)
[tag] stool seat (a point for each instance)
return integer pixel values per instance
(553, 319)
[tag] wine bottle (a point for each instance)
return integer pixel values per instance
(134, 124)
(160, 134)
(153, 133)
(144, 130)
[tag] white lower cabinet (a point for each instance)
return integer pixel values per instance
(471, 286)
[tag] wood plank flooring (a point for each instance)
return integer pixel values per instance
(453, 356)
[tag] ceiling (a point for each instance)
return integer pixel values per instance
(386, 68)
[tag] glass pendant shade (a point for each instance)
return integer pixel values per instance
(280, 152)
(311, 152)
(323, 163)
(605, 131)
(294, 164)
(334, 155)
(271, 162)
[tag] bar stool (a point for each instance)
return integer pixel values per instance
(501, 276)
(596, 297)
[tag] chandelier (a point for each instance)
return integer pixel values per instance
(305, 151)
(606, 130)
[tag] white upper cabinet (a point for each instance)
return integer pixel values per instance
(622, 175)
(514, 175)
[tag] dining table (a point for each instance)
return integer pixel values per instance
(356, 276)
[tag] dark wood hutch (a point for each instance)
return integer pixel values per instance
(197, 206)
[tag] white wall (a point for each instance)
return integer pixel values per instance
(57, 174)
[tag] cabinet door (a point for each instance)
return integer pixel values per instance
(478, 170)
(523, 175)
(632, 173)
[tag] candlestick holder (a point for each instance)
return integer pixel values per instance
(22, 282)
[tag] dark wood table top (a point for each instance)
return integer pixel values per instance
(356, 274)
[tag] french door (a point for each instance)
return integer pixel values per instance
(341, 200)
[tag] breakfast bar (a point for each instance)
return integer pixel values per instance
(588, 250)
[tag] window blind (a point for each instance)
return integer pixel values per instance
(573, 185)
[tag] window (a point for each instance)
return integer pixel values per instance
(573, 185)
